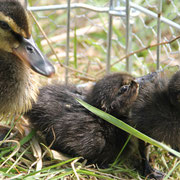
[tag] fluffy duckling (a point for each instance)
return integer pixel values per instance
(19, 57)
(156, 112)
(78, 132)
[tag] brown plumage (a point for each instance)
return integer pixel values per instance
(156, 112)
(19, 57)
(78, 132)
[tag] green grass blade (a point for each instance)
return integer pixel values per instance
(171, 171)
(95, 174)
(23, 141)
(120, 124)
(51, 167)
(27, 138)
(57, 177)
(122, 149)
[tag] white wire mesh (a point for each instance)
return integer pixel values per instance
(89, 34)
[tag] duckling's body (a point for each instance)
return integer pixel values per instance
(18, 86)
(19, 57)
(78, 132)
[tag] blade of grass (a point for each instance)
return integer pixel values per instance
(17, 160)
(50, 167)
(27, 138)
(23, 141)
(2, 174)
(120, 124)
(117, 158)
(15, 149)
(90, 173)
(171, 171)
(62, 175)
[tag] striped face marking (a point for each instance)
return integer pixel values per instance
(14, 27)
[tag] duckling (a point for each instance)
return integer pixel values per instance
(19, 59)
(78, 132)
(156, 113)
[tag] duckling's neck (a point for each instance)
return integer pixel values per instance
(18, 88)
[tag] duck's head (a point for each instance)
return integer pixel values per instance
(114, 93)
(15, 37)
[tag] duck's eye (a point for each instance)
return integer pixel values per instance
(4, 25)
(123, 89)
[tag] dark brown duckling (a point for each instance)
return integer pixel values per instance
(78, 132)
(156, 113)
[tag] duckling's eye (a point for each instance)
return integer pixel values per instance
(123, 89)
(4, 25)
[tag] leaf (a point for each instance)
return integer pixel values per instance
(122, 125)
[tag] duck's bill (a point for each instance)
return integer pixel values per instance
(31, 55)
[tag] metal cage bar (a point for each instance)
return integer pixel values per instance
(109, 38)
(67, 40)
(128, 11)
(128, 37)
(159, 34)
(115, 12)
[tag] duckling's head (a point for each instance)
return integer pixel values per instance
(115, 93)
(15, 37)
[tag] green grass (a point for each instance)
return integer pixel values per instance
(20, 165)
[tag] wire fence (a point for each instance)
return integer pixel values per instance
(91, 37)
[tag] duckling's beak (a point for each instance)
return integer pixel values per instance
(31, 55)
